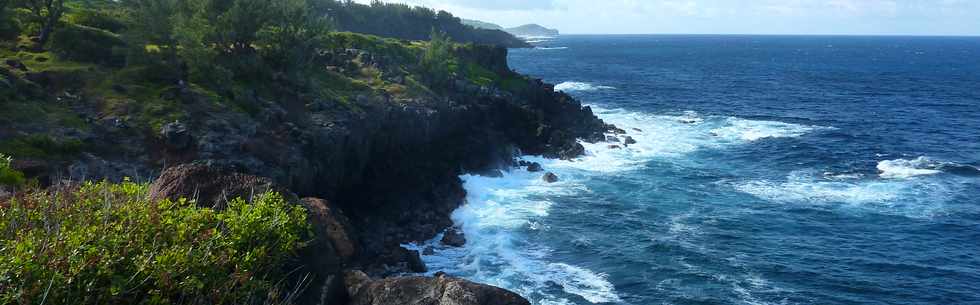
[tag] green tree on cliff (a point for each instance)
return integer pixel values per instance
(437, 58)
(45, 14)
(289, 40)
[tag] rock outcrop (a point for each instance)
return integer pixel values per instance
(442, 290)
(210, 185)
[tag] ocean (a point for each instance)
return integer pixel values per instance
(768, 170)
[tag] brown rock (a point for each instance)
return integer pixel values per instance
(441, 290)
(333, 226)
(210, 186)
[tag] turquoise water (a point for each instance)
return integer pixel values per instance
(769, 170)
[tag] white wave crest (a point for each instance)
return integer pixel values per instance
(904, 169)
(580, 86)
(905, 197)
(551, 48)
(750, 130)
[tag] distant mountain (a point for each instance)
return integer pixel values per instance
(477, 24)
(532, 30)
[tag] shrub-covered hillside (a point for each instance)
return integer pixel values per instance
(413, 23)
(128, 68)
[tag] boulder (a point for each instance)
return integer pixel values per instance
(614, 147)
(550, 177)
(442, 290)
(210, 186)
(453, 238)
(534, 167)
(571, 151)
(331, 225)
(398, 260)
(175, 136)
(629, 140)
(613, 139)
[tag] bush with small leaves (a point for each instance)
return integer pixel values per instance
(103, 243)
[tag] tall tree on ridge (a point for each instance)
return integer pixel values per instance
(46, 14)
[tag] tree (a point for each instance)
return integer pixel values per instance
(152, 23)
(290, 39)
(46, 14)
(437, 58)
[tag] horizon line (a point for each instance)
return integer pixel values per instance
(771, 34)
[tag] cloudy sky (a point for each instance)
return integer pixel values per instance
(889, 17)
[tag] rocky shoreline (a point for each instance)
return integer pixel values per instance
(374, 174)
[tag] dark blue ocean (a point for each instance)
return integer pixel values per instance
(768, 170)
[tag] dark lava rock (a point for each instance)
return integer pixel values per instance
(453, 238)
(210, 185)
(615, 147)
(613, 139)
(493, 173)
(441, 290)
(629, 140)
(16, 64)
(534, 167)
(428, 251)
(175, 135)
(34, 169)
(571, 152)
(637, 129)
(550, 177)
(398, 260)
(616, 130)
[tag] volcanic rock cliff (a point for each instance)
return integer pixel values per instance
(385, 166)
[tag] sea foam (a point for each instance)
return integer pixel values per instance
(904, 169)
(580, 86)
(500, 212)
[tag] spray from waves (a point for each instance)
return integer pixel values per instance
(903, 169)
(551, 48)
(912, 198)
(497, 212)
(580, 86)
(501, 212)
(749, 130)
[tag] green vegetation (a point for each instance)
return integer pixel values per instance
(409, 22)
(143, 63)
(437, 61)
(103, 243)
(8, 175)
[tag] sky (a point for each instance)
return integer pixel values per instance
(812, 17)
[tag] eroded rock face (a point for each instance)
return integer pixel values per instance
(210, 186)
(331, 225)
(442, 290)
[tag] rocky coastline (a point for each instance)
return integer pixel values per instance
(374, 174)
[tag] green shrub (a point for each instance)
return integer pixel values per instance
(41, 146)
(105, 244)
(9, 176)
(87, 44)
(104, 19)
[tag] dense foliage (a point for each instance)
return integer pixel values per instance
(410, 22)
(9, 176)
(104, 243)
